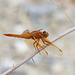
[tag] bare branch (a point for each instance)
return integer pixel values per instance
(34, 53)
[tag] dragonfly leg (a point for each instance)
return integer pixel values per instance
(44, 42)
(33, 60)
(40, 45)
(34, 44)
(37, 48)
(37, 45)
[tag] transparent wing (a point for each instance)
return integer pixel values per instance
(25, 32)
(55, 49)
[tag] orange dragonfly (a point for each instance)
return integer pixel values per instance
(36, 35)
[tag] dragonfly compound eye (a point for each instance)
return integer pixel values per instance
(45, 34)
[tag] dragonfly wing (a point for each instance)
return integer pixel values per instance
(25, 32)
(53, 50)
(57, 50)
(39, 29)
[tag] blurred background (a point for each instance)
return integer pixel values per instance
(19, 15)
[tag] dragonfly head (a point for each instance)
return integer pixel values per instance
(45, 34)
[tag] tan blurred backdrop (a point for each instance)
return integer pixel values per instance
(19, 15)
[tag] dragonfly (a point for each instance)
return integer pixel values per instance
(36, 35)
